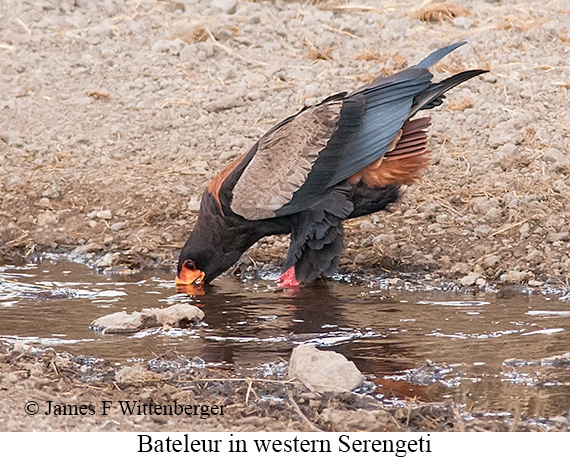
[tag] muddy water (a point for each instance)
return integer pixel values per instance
(490, 353)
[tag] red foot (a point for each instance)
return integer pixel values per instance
(288, 280)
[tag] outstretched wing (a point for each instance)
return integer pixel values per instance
(297, 162)
(284, 159)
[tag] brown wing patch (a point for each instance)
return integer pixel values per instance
(405, 160)
(216, 183)
(283, 161)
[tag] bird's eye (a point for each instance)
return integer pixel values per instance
(189, 264)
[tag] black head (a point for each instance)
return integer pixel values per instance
(217, 242)
(205, 256)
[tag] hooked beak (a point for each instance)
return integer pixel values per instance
(189, 276)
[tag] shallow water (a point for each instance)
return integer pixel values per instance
(481, 350)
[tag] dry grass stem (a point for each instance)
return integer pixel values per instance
(16, 241)
(341, 32)
(232, 52)
(342, 8)
(315, 53)
(364, 78)
(519, 23)
(508, 227)
(304, 418)
(368, 55)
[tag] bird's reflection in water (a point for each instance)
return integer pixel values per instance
(252, 328)
(317, 310)
(191, 289)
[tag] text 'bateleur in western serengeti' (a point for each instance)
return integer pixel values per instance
(342, 158)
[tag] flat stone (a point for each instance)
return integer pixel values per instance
(482, 230)
(561, 236)
(357, 420)
(491, 261)
(463, 22)
(44, 202)
(47, 218)
(461, 267)
(397, 282)
(118, 226)
(516, 277)
(136, 373)
(225, 102)
(470, 279)
(181, 315)
(106, 261)
(561, 360)
(104, 214)
(121, 322)
(324, 371)
(489, 78)
(194, 205)
(227, 6)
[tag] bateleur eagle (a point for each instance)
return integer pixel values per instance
(344, 157)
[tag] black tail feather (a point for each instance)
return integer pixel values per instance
(436, 56)
(435, 94)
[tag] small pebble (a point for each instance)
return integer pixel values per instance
(105, 214)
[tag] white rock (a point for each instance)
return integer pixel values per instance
(325, 371)
(463, 22)
(223, 103)
(118, 226)
(181, 315)
(516, 277)
(104, 214)
(194, 205)
(47, 218)
(44, 202)
(106, 261)
(470, 279)
(121, 322)
(169, 46)
(136, 373)
(227, 6)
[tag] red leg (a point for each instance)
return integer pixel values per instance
(287, 279)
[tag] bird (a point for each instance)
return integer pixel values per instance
(345, 157)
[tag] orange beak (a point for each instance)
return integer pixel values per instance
(189, 275)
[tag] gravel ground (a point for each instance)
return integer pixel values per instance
(116, 114)
(43, 378)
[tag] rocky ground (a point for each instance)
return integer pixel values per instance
(40, 390)
(116, 114)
